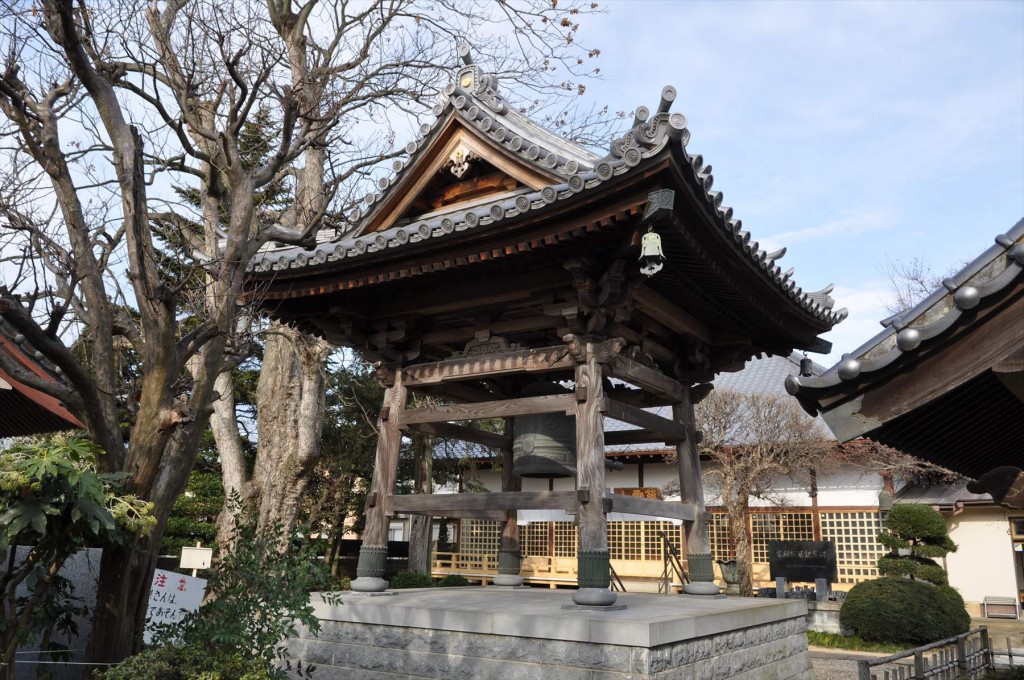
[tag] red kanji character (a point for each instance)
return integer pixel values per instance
(161, 580)
(181, 584)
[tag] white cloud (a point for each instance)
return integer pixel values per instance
(846, 226)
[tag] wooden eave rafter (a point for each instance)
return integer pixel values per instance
(453, 134)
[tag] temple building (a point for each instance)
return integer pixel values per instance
(512, 275)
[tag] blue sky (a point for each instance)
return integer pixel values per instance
(855, 133)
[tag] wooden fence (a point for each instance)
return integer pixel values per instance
(968, 655)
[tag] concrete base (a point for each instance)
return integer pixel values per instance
(508, 580)
(472, 633)
(594, 597)
(702, 588)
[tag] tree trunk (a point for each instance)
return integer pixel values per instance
(420, 534)
(739, 513)
(290, 420)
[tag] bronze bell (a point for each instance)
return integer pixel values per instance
(544, 444)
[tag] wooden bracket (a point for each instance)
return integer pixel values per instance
(371, 499)
(606, 505)
(385, 413)
(581, 393)
(583, 495)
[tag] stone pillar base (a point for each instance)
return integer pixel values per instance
(371, 569)
(594, 597)
(508, 580)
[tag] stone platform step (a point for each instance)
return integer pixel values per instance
(456, 633)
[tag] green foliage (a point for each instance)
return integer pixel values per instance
(410, 579)
(193, 517)
(260, 596)
(56, 503)
(851, 642)
(919, 532)
(901, 610)
(185, 662)
(453, 581)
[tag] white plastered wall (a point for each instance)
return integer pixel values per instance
(983, 563)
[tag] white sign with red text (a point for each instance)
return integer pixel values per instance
(171, 597)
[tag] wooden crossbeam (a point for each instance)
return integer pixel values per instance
(623, 437)
(523, 361)
(444, 505)
(506, 408)
(466, 434)
(653, 508)
(643, 419)
(669, 314)
(646, 378)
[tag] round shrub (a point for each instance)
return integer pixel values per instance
(453, 581)
(410, 579)
(186, 662)
(904, 611)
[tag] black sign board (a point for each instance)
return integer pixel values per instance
(803, 560)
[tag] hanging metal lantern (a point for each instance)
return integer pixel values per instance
(544, 444)
(652, 259)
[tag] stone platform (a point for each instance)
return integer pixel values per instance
(478, 633)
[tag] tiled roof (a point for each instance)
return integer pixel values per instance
(582, 173)
(24, 409)
(935, 317)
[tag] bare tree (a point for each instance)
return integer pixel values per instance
(910, 282)
(104, 106)
(752, 440)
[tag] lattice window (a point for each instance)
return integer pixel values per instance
(565, 539)
(626, 540)
(721, 537)
(533, 539)
(857, 548)
(480, 537)
(778, 526)
(654, 546)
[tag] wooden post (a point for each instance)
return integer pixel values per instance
(691, 490)
(509, 555)
(592, 556)
(373, 553)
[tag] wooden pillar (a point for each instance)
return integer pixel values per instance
(509, 555)
(592, 557)
(691, 490)
(373, 553)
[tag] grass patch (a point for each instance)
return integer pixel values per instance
(852, 643)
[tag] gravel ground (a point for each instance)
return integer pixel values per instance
(834, 669)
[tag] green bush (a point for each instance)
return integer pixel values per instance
(914, 535)
(453, 581)
(904, 611)
(186, 662)
(410, 579)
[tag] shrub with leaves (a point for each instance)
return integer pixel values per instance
(410, 579)
(915, 535)
(258, 595)
(55, 504)
(904, 611)
(453, 581)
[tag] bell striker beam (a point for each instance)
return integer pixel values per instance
(509, 555)
(373, 553)
(691, 491)
(592, 557)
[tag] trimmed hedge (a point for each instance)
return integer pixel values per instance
(453, 581)
(902, 610)
(410, 579)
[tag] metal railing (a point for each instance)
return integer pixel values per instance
(968, 655)
(672, 565)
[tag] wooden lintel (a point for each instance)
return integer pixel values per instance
(527, 324)
(443, 505)
(456, 391)
(638, 398)
(653, 508)
(467, 434)
(521, 361)
(463, 513)
(649, 379)
(505, 408)
(624, 437)
(643, 419)
(670, 314)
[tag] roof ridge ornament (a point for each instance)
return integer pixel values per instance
(650, 134)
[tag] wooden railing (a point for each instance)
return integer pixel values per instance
(968, 655)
